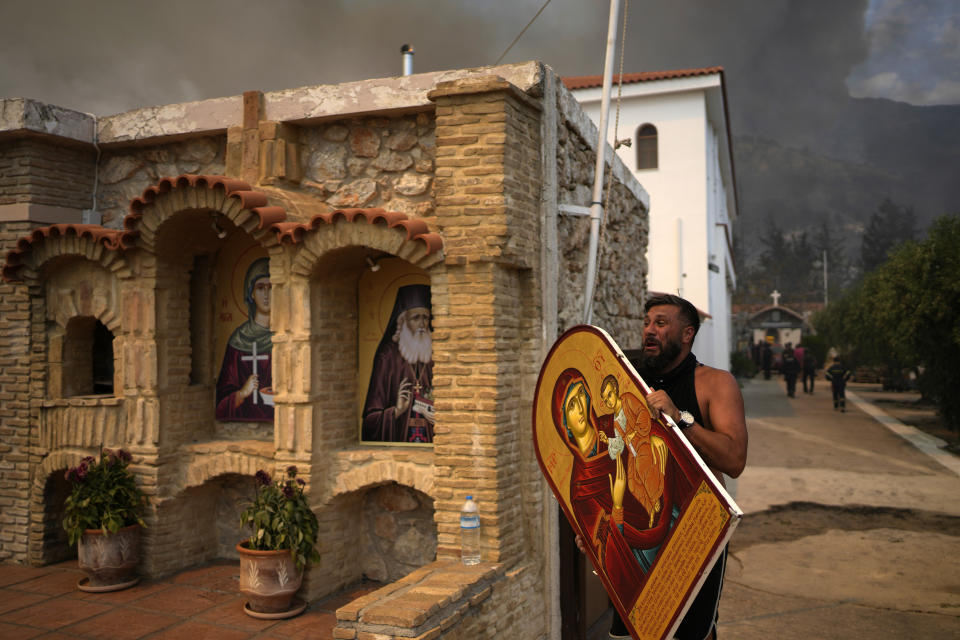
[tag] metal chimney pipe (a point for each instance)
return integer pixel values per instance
(407, 53)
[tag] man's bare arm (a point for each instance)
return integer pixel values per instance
(722, 442)
(723, 445)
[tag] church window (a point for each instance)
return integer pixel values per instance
(646, 147)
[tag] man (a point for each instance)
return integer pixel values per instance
(399, 404)
(767, 360)
(706, 403)
(790, 367)
(838, 375)
(809, 370)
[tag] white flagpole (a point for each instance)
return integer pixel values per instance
(596, 207)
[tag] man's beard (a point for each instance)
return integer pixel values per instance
(414, 347)
(669, 351)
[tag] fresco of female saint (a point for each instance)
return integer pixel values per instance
(244, 387)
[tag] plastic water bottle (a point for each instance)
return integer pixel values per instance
(470, 532)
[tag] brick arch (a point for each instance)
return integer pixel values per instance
(234, 199)
(389, 231)
(48, 541)
(201, 469)
(54, 461)
(416, 476)
(67, 303)
(93, 242)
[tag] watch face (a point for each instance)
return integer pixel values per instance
(686, 419)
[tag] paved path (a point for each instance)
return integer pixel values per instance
(197, 604)
(851, 530)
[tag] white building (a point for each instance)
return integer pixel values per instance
(681, 153)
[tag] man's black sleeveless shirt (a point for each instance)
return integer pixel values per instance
(678, 383)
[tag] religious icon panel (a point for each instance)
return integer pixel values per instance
(651, 514)
(244, 383)
(396, 360)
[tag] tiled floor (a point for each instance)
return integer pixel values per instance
(197, 604)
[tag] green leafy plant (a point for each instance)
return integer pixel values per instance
(742, 365)
(280, 518)
(104, 496)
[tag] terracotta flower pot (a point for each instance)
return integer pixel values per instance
(269, 579)
(109, 561)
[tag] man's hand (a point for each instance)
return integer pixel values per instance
(580, 545)
(660, 401)
(403, 396)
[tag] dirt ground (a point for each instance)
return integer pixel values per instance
(786, 523)
(867, 545)
(799, 519)
(909, 408)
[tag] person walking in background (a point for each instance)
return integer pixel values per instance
(799, 353)
(790, 368)
(809, 370)
(767, 360)
(838, 375)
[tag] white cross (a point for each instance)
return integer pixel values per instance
(253, 357)
(775, 295)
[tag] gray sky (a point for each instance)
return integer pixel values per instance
(793, 67)
(108, 56)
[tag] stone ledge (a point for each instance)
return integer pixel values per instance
(258, 448)
(25, 114)
(84, 401)
(424, 604)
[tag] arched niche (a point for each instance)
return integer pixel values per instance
(384, 531)
(202, 259)
(341, 306)
(55, 546)
(199, 524)
(185, 229)
(87, 360)
(82, 313)
(326, 259)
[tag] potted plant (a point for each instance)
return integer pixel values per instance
(282, 540)
(103, 518)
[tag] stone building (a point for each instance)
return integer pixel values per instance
(117, 231)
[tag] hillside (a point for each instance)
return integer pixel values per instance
(875, 149)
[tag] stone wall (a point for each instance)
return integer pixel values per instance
(398, 532)
(372, 162)
(620, 288)
(126, 171)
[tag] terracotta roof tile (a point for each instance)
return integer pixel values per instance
(111, 239)
(272, 217)
(415, 228)
(255, 201)
(589, 82)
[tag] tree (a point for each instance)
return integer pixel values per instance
(788, 263)
(889, 226)
(903, 314)
(827, 241)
